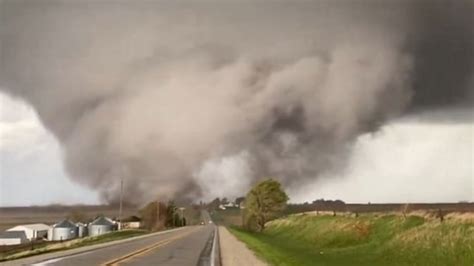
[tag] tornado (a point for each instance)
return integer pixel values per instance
(197, 99)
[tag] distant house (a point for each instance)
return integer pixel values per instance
(13, 238)
(32, 231)
(132, 222)
(230, 205)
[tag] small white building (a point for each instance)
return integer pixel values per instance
(230, 205)
(32, 231)
(132, 222)
(12, 238)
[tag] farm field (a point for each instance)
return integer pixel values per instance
(369, 239)
(230, 216)
(12, 216)
(378, 207)
(233, 216)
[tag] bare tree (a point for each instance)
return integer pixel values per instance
(405, 210)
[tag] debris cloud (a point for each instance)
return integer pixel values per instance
(170, 95)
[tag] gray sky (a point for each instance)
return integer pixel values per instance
(406, 161)
(31, 167)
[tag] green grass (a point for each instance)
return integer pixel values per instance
(366, 240)
(47, 247)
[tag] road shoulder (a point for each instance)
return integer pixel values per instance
(235, 253)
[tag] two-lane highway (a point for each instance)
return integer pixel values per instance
(186, 246)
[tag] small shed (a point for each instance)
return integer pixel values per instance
(32, 231)
(101, 225)
(13, 238)
(131, 222)
(64, 230)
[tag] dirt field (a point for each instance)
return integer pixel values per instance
(11, 216)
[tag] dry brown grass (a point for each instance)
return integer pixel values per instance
(467, 217)
(444, 235)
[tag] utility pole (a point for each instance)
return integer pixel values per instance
(121, 199)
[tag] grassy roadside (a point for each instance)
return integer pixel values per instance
(366, 240)
(46, 247)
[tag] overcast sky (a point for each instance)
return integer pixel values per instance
(31, 169)
(407, 161)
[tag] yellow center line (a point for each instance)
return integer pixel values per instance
(136, 253)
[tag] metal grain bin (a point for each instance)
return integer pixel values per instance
(64, 230)
(101, 225)
(82, 230)
(50, 234)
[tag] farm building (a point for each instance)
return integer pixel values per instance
(132, 222)
(101, 225)
(32, 231)
(12, 238)
(230, 205)
(64, 230)
(81, 230)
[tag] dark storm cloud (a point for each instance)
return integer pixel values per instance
(443, 45)
(153, 91)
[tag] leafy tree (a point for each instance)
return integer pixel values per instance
(171, 214)
(177, 220)
(224, 201)
(239, 200)
(264, 202)
(214, 204)
(149, 215)
(154, 215)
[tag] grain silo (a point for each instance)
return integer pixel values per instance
(82, 230)
(100, 226)
(64, 230)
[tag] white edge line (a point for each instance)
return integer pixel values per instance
(46, 262)
(213, 251)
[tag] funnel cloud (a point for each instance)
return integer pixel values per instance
(187, 99)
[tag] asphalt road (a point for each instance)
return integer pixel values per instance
(188, 246)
